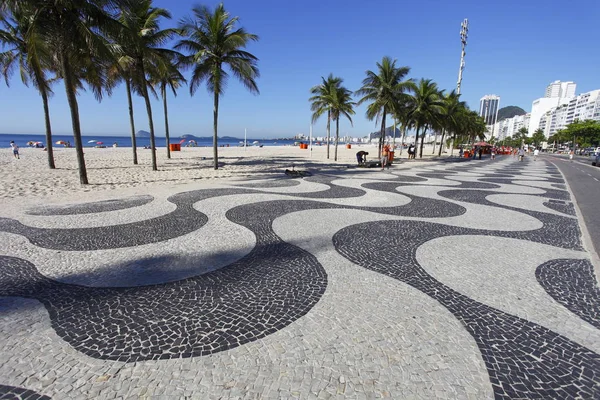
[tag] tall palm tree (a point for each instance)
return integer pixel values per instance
(168, 76)
(321, 99)
(139, 42)
(121, 70)
(213, 42)
(341, 104)
(383, 89)
(426, 104)
(27, 52)
(72, 31)
(450, 113)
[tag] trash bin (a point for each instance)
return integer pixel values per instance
(390, 156)
(175, 147)
(348, 146)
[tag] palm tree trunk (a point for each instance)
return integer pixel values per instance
(215, 138)
(452, 144)
(131, 121)
(337, 136)
(402, 141)
(442, 143)
(417, 140)
(435, 142)
(48, 130)
(422, 140)
(382, 134)
(72, 99)
(328, 131)
(164, 96)
(149, 112)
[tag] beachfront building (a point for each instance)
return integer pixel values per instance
(582, 107)
(557, 94)
(560, 89)
(510, 126)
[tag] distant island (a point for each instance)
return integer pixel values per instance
(509, 112)
(207, 137)
(142, 134)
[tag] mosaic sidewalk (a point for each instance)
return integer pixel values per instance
(467, 280)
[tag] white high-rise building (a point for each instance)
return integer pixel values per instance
(560, 89)
(582, 107)
(488, 108)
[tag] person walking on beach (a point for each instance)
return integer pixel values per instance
(15, 149)
(571, 155)
(493, 153)
(384, 157)
(521, 154)
(536, 152)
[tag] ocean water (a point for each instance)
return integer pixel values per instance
(124, 141)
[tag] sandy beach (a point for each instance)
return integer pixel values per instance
(112, 168)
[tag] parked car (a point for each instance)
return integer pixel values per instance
(596, 161)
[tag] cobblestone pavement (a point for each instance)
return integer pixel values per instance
(465, 281)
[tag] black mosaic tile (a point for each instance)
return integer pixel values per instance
(94, 207)
(272, 286)
(562, 206)
(556, 230)
(527, 360)
(15, 393)
(272, 183)
(183, 220)
(573, 284)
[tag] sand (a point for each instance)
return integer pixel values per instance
(113, 168)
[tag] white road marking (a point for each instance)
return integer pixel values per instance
(596, 180)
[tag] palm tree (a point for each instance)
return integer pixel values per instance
(341, 104)
(322, 97)
(72, 31)
(214, 41)
(401, 114)
(121, 71)
(168, 76)
(450, 114)
(384, 89)
(425, 106)
(139, 43)
(27, 51)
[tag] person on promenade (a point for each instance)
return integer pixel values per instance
(480, 152)
(384, 157)
(493, 153)
(571, 155)
(536, 152)
(411, 151)
(15, 149)
(361, 157)
(461, 152)
(521, 154)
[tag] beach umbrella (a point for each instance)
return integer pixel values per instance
(61, 142)
(91, 141)
(99, 142)
(31, 142)
(182, 141)
(192, 141)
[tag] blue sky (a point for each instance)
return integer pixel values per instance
(515, 48)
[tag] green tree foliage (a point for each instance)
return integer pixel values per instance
(584, 133)
(383, 90)
(538, 137)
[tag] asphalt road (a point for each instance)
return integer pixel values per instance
(584, 180)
